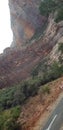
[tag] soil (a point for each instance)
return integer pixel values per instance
(34, 113)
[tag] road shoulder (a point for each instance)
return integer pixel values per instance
(49, 110)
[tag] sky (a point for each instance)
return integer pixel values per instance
(5, 27)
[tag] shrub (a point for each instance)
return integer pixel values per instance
(43, 91)
(11, 124)
(18, 96)
(60, 48)
(50, 6)
(8, 119)
(10, 97)
(56, 70)
(31, 87)
(59, 16)
(46, 90)
(34, 72)
(47, 6)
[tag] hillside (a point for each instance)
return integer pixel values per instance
(31, 69)
(30, 115)
(17, 64)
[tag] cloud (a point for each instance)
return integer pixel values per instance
(5, 30)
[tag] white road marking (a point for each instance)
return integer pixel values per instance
(49, 127)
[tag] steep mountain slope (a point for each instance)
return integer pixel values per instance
(29, 66)
(17, 63)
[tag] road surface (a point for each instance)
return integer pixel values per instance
(56, 119)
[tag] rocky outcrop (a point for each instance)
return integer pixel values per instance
(17, 63)
(25, 20)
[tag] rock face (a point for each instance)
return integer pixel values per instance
(25, 20)
(17, 64)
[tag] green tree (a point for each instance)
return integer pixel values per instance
(47, 6)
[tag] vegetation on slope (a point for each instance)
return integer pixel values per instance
(47, 6)
(14, 96)
(60, 48)
(8, 119)
(48, 72)
(11, 98)
(50, 6)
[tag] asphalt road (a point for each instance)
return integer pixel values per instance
(56, 119)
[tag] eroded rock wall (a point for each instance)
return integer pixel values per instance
(25, 20)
